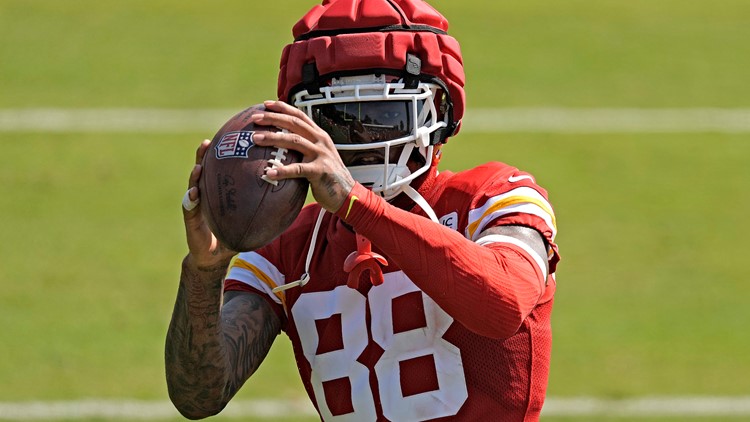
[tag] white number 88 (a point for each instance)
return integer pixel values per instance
(342, 363)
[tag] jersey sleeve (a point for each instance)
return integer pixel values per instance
(512, 197)
(253, 272)
(489, 289)
(274, 265)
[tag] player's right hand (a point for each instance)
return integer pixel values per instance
(330, 180)
(206, 252)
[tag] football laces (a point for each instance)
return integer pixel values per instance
(279, 155)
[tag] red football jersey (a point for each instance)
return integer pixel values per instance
(389, 352)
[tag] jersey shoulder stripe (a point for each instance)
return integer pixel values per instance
(522, 199)
(508, 240)
(256, 271)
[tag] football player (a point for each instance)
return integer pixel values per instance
(408, 294)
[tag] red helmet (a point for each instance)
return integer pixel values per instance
(373, 51)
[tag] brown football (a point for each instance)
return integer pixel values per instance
(243, 210)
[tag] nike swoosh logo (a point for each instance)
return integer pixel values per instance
(351, 202)
(514, 179)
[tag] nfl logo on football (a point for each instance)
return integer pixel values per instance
(234, 145)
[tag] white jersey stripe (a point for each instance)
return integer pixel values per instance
(499, 238)
(257, 272)
(526, 208)
(480, 217)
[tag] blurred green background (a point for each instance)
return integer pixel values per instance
(652, 226)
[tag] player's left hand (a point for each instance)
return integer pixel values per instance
(205, 250)
(329, 178)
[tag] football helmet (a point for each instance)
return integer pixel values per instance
(384, 79)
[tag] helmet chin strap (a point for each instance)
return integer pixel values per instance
(419, 200)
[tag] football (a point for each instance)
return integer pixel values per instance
(243, 209)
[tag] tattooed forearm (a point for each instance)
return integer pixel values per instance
(210, 351)
(336, 189)
(249, 327)
(194, 359)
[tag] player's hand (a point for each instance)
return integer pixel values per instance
(206, 252)
(330, 180)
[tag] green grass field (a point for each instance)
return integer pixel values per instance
(652, 293)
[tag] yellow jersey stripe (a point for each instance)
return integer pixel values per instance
(241, 263)
(507, 202)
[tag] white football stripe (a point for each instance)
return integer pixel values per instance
(490, 120)
(649, 406)
(646, 407)
(147, 410)
(608, 120)
(113, 120)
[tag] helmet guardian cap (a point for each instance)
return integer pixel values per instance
(377, 75)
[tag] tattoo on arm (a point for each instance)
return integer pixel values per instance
(249, 328)
(212, 350)
(329, 182)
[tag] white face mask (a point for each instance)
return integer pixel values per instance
(376, 127)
